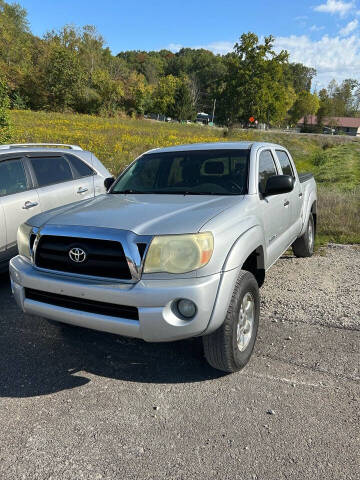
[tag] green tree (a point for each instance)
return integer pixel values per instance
(110, 92)
(343, 98)
(137, 94)
(339, 100)
(16, 49)
(299, 76)
(164, 95)
(204, 69)
(183, 107)
(306, 104)
(5, 126)
(324, 106)
(63, 77)
(254, 82)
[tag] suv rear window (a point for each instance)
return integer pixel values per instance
(49, 170)
(80, 168)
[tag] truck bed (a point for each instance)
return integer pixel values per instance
(304, 177)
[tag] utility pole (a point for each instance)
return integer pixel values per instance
(213, 113)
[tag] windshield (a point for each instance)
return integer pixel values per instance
(210, 172)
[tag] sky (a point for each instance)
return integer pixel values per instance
(324, 34)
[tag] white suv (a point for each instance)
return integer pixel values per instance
(38, 177)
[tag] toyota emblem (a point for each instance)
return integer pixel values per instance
(77, 255)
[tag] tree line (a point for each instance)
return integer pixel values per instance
(73, 70)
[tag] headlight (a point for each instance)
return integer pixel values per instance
(179, 253)
(23, 240)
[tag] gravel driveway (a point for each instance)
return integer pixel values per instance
(77, 404)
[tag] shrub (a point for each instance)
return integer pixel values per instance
(319, 159)
(5, 126)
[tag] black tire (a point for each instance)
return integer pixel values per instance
(304, 245)
(221, 347)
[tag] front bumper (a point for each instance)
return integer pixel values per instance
(153, 298)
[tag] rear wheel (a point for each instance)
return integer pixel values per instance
(229, 348)
(304, 245)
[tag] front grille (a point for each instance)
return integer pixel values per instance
(104, 258)
(82, 304)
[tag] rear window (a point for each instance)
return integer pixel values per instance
(285, 163)
(80, 168)
(267, 169)
(49, 170)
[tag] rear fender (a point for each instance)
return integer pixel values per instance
(307, 208)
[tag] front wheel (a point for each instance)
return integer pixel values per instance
(304, 245)
(229, 348)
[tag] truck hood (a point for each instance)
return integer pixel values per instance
(142, 214)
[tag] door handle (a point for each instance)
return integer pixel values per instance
(28, 205)
(82, 190)
(286, 203)
(300, 195)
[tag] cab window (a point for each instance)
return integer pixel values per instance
(285, 163)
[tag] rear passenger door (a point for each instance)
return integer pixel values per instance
(84, 178)
(19, 199)
(294, 197)
(54, 179)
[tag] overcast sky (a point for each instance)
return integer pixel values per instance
(320, 33)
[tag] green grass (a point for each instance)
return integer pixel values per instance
(335, 161)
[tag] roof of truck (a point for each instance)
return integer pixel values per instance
(214, 146)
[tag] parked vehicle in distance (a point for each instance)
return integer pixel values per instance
(39, 177)
(177, 248)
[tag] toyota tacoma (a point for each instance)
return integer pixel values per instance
(177, 248)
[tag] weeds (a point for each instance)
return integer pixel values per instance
(338, 216)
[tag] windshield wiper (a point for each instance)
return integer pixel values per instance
(205, 193)
(125, 192)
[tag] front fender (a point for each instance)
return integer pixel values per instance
(249, 241)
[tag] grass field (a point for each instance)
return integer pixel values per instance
(335, 161)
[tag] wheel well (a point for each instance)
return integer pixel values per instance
(255, 265)
(314, 213)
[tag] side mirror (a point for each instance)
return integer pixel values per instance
(108, 182)
(279, 184)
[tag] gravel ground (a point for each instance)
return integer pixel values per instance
(322, 290)
(77, 404)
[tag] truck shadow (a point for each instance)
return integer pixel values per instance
(39, 358)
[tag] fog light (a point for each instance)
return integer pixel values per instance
(186, 308)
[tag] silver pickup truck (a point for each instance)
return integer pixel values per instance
(177, 248)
